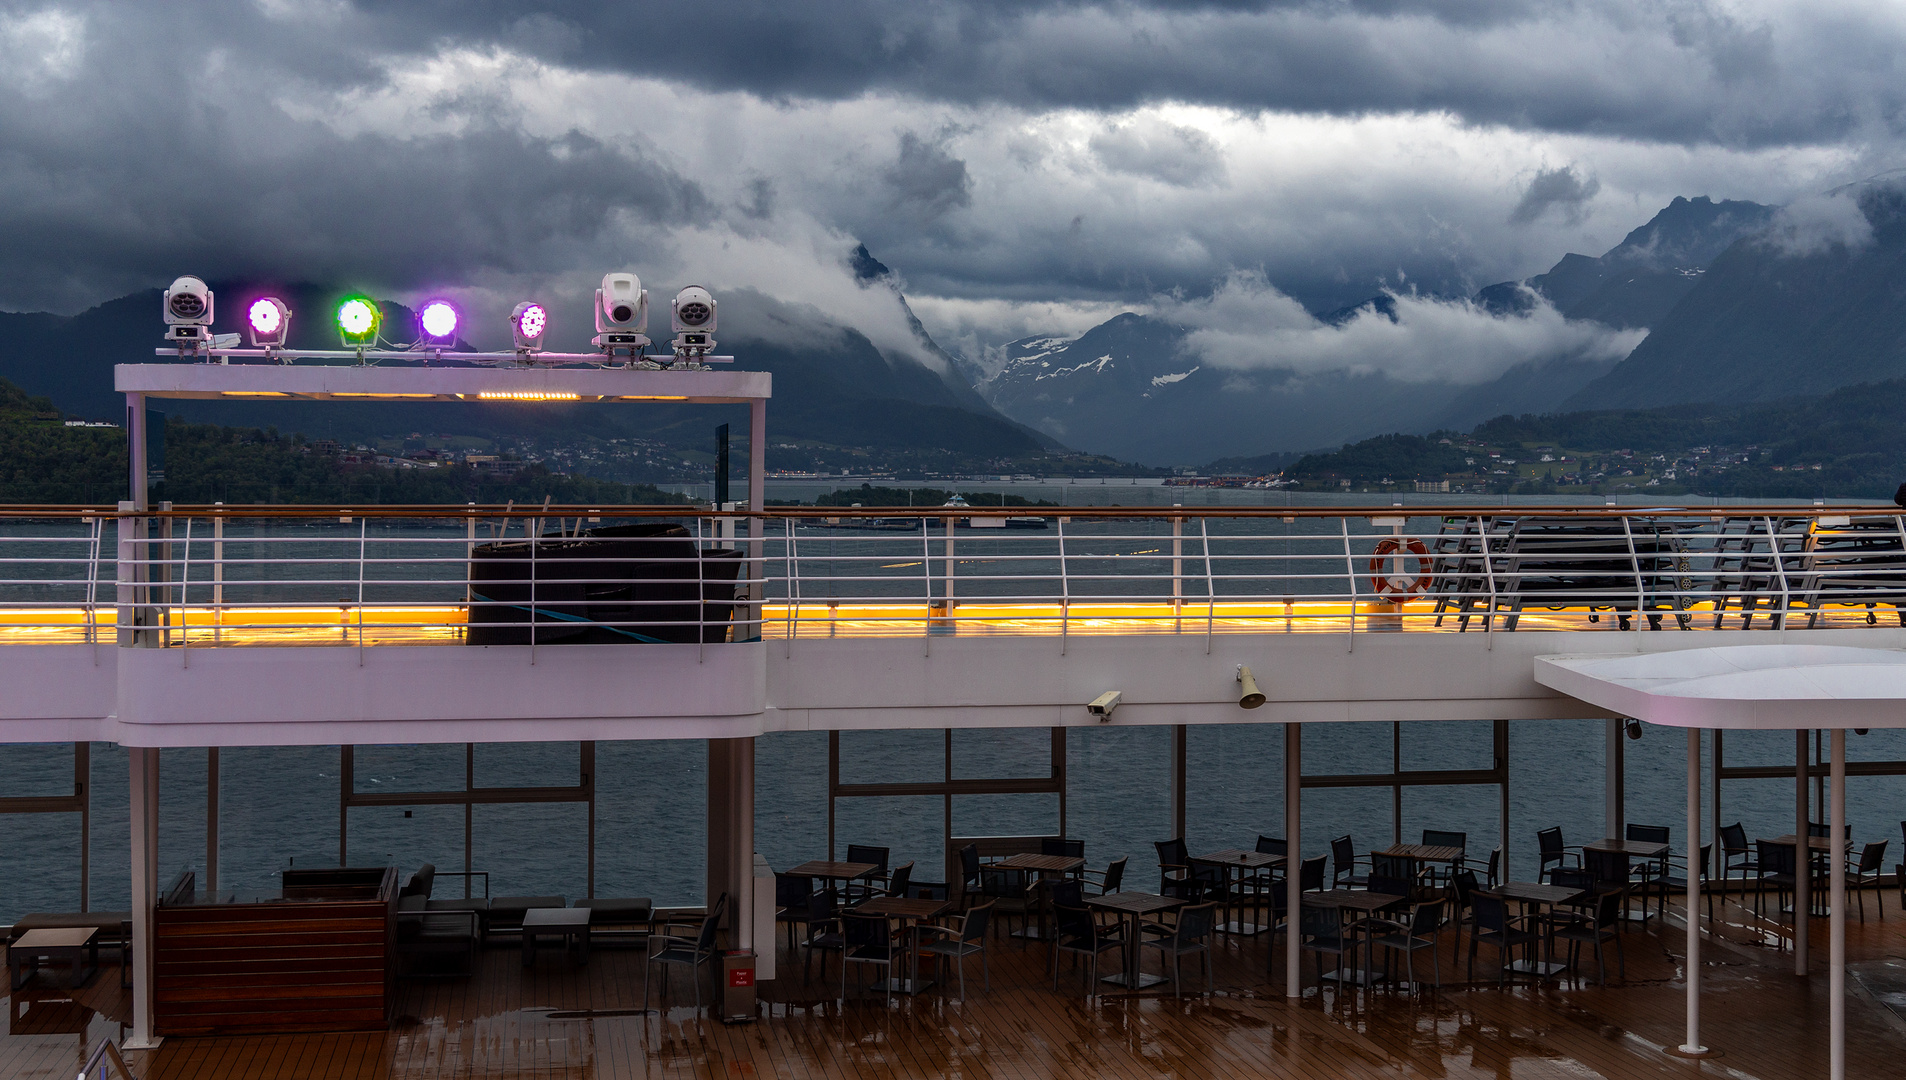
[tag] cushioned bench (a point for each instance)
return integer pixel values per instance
(637, 913)
(426, 934)
(506, 912)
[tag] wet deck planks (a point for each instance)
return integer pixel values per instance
(556, 1022)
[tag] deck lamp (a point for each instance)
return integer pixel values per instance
(437, 322)
(268, 321)
(1252, 697)
(359, 319)
(528, 323)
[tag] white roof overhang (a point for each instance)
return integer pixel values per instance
(1741, 686)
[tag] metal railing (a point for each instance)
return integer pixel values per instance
(223, 576)
(103, 1054)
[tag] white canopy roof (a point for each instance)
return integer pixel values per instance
(1741, 686)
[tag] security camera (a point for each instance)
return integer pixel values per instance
(622, 314)
(188, 312)
(693, 319)
(1633, 727)
(1103, 705)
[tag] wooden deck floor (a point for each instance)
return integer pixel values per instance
(558, 1021)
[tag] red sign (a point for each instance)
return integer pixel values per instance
(741, 977)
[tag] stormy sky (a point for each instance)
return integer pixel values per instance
(1024, 167)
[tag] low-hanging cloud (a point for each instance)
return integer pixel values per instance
(1248, 326)
(1559, 190)
(1815, 224)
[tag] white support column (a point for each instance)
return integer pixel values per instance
(1836, 917)
(1802, 874)
(1294, 857)
(1692, 1046)
(145, 890)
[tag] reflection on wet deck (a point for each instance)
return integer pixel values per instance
(199, 626)
(560, 1021)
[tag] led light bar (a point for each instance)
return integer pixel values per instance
(528, 395)
(357, 394)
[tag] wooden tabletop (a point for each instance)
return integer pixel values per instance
(556, 917)
(1355, 899)
(1817, 843)
(1436, 853)
(1053, 864)
(1238, 857)
(843, 871)
(1134, 903)
(63, 938)
(1530, 892)
(1639, 849)
(900, 907)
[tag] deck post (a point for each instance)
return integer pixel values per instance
(1178, 780)
(1836, 911)
(145, 890)
(1614, 769)
(1802, 857)
(731, 833)
(1293, 857)
(211, 821)
(1693, 1044)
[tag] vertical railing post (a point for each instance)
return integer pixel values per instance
(1177, 572)
(1065, 592)
(363, 539)
(1780, 569)
(1350, 568)
(1634, 563)
(218, 575)
(96, 528)
(1210, 583)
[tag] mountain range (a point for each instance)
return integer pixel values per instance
(1731, 301)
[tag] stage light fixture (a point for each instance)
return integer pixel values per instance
(188, 311)
(268, 321)
(622, 314)
(528, 323)
(437, 320)
(694, 318)
(358, 320)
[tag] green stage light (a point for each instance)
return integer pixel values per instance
(358, 321)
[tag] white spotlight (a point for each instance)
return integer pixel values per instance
(188, 312)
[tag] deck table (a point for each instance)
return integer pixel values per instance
(1532, 894)
(904, 910)
(1045, 866)
(72, 945)
(1363, 900)
(1243, 863)
(1133, 906)
(571, 924)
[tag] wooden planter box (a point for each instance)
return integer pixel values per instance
(318, 959)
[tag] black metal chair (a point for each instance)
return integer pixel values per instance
(1867, 870)
(1736, 855)
(691, 953)
(790, 901)
(1310, 874)
(1491, 924)
(868, 940)
(1444, 838)
(1182, 879)
(862, 888)
(823, 932)
(1391, 869)
(1110, 879)
(1059, 845)
(1554, 852)
(1321, 933)
(1644, 872)
(1609, 871)
(1187, 938)
(1075, 931)
(1343, 855)
(969, 875)
(1462, 890)
(1670, 884)
(1420, 930)
(1777, 869)
(958, 943)
(1600, 925)
(900, 879)
(1491, 868)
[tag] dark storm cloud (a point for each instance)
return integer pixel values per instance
(132, 172)
(1559, 190)
(927, 179)
(1670, 70)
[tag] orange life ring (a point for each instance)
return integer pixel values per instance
(1393, 549)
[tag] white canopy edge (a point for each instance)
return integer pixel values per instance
(1780, 687)
(319, 382)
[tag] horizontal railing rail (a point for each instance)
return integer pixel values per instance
(189, 577)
